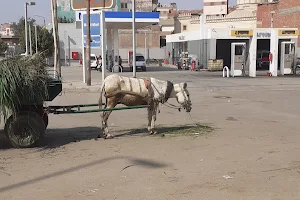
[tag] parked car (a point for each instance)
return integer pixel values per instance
(262, 59)
(94, 61)
(140, 62)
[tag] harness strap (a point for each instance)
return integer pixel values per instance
(169, 90)
(147, 82)
(148, 85)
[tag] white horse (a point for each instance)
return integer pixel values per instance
(138, 91)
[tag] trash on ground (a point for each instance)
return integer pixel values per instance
(227, 177)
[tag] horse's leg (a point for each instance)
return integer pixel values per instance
(154, 113)
(150, 113)
(111, 103)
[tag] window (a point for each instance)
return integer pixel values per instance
(123, 5)
(287, 49)
(184, 27)
(139, 58)
(163, 41)
(265, 55)
(239, 50)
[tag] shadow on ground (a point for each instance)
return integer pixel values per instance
(133, 162)
(55, 138)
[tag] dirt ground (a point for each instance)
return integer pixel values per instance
(252, 153)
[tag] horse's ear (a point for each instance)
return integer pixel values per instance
(184, 85)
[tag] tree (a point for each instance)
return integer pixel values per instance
(57, 65)
(45, 41)
(3, 47)
(45, 37)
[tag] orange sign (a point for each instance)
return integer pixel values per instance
(95, 4)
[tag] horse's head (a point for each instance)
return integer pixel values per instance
(183, 96)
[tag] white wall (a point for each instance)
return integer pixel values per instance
(185, 36)
(71, 41)
(215, 9)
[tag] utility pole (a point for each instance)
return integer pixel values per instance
(30, 39)
(32, 3)
(88, 44)
(42, 18)
(133, 40)
(57, 67)
(26, 29)
(146, 57)
(36, 38)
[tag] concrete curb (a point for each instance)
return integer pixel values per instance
(78, 86)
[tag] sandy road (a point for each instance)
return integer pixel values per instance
(255, 143)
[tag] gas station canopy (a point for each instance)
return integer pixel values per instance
(123, 20)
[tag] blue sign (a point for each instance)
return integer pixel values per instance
(94, 28)
(95, 24)
(96, 41)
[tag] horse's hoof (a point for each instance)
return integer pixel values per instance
(152, 132)
(109, 136)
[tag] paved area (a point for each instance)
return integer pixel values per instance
(253, 152)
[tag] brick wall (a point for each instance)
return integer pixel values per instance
(144, 5)
(287, 14)
(153, 39)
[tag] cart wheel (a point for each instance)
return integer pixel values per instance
(25, 129)
(45, 119)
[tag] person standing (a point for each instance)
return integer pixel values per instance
(99, 66)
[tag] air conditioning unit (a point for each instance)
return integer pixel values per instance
(274, 1)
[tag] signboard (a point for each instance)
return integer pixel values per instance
(241, 33)
(94, 22)
(94, 28)
(288, 32)
(182, 37)
(95, 4)
(96, 41)
(263, 35)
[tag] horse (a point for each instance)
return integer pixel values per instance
(149, 91)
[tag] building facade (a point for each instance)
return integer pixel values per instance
(215, 7)
(279, 14)
(187, 20)
(6, 30)
(64, 10)
(141, 5)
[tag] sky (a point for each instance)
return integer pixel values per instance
(13, 10)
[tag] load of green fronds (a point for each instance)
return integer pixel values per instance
(23, 81)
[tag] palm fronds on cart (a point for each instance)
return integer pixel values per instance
(23, 81)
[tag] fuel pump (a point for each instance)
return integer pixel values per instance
(238, 59)
(287, 57)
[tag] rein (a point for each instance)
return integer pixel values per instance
(169, 105)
